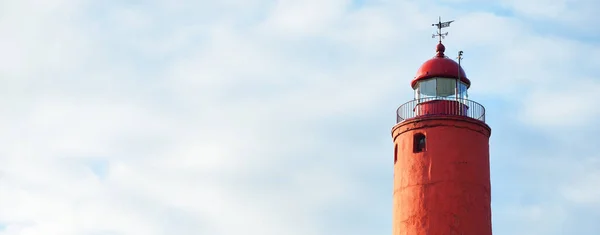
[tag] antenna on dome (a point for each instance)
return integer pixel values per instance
(439, 26)
(458, 90)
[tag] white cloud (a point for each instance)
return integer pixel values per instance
(213, 123)
(305, 17)
(568, 106)
(581, 189)
(571, 12)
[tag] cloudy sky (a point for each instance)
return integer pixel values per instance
(269, 117)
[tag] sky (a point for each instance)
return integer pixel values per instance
(274, 116)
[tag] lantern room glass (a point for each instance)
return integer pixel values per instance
(440, 88)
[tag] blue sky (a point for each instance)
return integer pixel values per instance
(274, 117)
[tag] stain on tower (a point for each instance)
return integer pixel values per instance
(441, 154)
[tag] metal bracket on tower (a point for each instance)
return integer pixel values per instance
(439, 26)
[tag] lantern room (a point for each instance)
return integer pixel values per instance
(440, 88)
(440, 77)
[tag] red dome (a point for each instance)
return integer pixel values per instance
(440, 66)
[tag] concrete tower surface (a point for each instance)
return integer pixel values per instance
(441, 155)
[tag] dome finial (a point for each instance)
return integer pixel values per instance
(440, 49)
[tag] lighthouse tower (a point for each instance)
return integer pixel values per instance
(441, 154)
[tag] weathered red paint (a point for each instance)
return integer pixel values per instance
(440, 66)
(444, 190)
(441, 107)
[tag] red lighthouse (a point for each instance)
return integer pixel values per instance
(441, 154)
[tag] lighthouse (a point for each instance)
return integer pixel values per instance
(441, 154)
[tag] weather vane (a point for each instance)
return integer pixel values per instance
(441, 25)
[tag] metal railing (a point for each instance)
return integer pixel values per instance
(440, 106)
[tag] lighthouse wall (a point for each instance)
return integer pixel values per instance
(445, 188)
